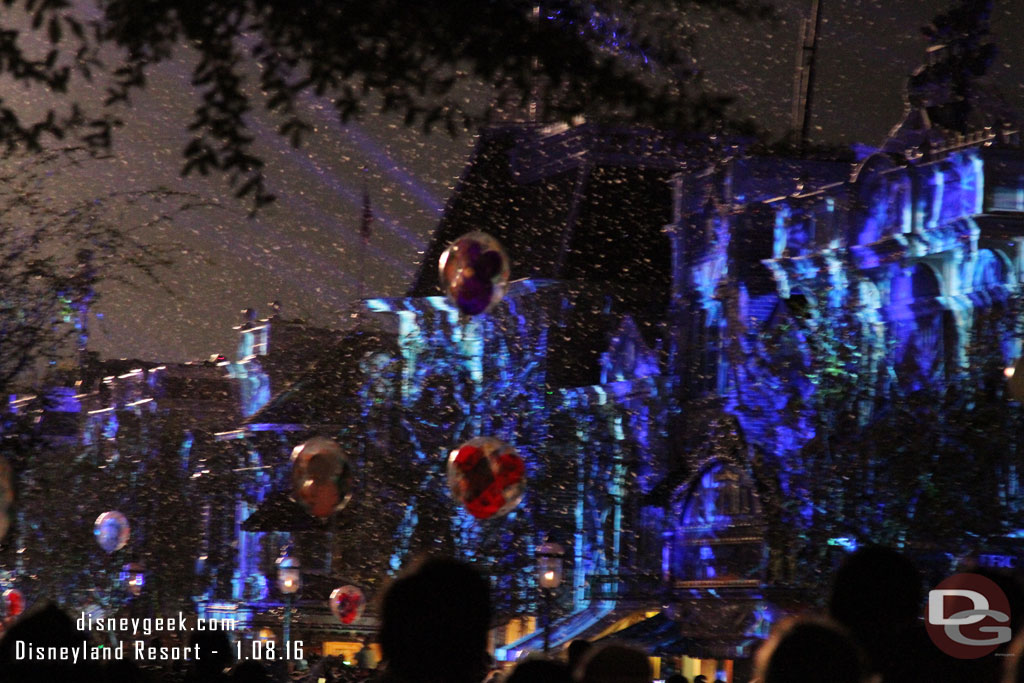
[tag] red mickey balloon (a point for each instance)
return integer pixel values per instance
(347, 603)
(13, 602)
(487, 477)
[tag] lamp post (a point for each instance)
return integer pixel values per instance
(549, 578)
(289, 581)
(132, 580)
(133, 575)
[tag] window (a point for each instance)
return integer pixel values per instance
(720, 536)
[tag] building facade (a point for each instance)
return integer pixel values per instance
(722, 368)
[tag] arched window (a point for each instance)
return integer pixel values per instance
(993, 342)
(720, 535)
(916, 318)
(989, 271)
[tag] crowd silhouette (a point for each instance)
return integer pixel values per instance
(435, 619)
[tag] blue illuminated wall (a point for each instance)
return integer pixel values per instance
(666, 444)
(444, 380)
(907, 271)
(685, 464)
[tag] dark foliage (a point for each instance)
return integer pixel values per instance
(622, 59)
(54, 252)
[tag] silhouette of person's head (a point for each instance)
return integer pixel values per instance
(539, 670)
(44, 626)
(876, 596)
(1014, 663)
(876, 586)
(576, 651)
(810, 650)
(676, 678)
(614, 663)
(1010, 582)
(434, 622)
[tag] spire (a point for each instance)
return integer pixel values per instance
(948, 101)
(959, 54)
(804, 82)
(365, 231)
(367, 219)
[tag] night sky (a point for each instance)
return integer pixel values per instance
(305, 250)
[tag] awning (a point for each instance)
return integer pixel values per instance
(710, 648)
(662, 637)
(278, 512)
(658, 634)
(653, 633)
(564, 630)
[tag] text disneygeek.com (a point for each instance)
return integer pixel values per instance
(140, 650)
(147, 626)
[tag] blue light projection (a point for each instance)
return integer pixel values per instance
(253, 382)
(719, 536)
(675, 466)
(386, 164)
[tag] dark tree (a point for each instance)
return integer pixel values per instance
(626, 59)
(54, 253)
(948, 86)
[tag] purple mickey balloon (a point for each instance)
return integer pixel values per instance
(488, 265)
(472, 248)
(474, 272)
(473, 294)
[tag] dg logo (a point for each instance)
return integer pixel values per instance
(968, 616)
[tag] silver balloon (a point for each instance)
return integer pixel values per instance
(112, 531)
(321, 476)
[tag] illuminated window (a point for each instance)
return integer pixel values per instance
(720, 536)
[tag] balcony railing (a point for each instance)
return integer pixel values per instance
(626, 585)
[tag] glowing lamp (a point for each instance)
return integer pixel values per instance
(289, 574)
(549, 565)
(133, 575)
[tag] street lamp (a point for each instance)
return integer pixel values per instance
(133, 575)
(289, 581)
(549, 578)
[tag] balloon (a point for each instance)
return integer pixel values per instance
(472, 294)
(487, 477)
(474, 272)
(112, 531)
(13, 602)
(347, 603)
(321, 476)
